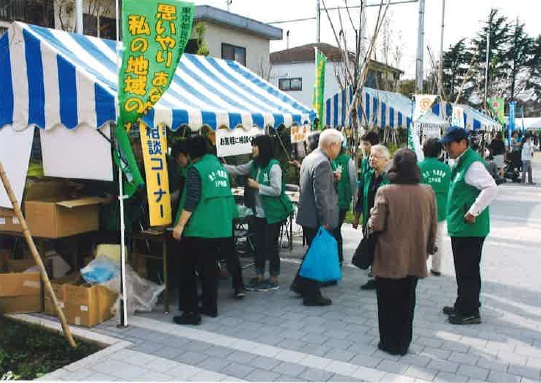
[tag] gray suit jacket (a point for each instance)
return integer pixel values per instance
(318, 201)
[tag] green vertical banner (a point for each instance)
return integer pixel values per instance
(497, 106)
(155, 34)
(319, 86)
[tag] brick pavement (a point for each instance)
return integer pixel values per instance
(271, 336)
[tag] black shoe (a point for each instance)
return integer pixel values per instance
(239, 293)
(207, 312)
(464, 319)
(449, 310)
(295, 289)
(188, 318)
(435, 273)
(370, 285)
(319, 301)
(391, 351)
(329, 283)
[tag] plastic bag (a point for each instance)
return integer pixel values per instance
(321, 262)
(101, 269)
(142, 294)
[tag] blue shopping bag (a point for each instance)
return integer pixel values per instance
(321, 262)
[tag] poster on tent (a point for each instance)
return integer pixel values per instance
(457, 119)
(236, 141)
(154, 147)
(299, 133)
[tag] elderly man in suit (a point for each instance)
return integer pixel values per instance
(318, 205)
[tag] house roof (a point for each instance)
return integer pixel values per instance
(305, 53)
(206, 12)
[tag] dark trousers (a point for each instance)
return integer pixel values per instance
(266, 246)
(467, 258)
(227, 252)
(338, 235)
(202, 252)
(396, 306)
(307, 287)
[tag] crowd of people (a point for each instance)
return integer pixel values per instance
(407, 204)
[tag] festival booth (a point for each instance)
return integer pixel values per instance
(430, 125)
(66, 84)
(473, 119)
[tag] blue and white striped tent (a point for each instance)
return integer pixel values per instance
(50, 77)
(473, 119)
(382, 108)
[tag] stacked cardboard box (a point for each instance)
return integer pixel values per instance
(20, 292)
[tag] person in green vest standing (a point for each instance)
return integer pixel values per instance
(437, 174)
(471, 191)
(271, 208)
(346, 187)
(203, 223)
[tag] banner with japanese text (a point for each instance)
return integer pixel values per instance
(154, 147)
(318, 97)
(236, 141)
(423, 104)
(497, 106)
(299, 133)
(457, 119)
(512, 116)
(155, 34)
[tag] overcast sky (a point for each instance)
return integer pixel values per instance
(463, 18)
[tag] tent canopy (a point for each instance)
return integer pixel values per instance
(473, 119)
(50, 77)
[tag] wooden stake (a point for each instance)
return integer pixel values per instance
(36, 256)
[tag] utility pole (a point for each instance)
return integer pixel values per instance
(420, 48)
(441, 47)
(487, 60)
(79, 16)
(318, 21)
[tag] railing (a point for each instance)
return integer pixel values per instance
(13, 10)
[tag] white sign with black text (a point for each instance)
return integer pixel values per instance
(236, 141)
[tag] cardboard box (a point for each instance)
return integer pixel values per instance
(59, 289)
(51, 212)
(9, 221)
(20, 293)
(88, 305)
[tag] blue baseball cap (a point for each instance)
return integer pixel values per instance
(454, 134)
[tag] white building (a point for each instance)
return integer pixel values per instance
(293, 71)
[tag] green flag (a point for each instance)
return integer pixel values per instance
(319, 85)
(155, 34)
(497, 107)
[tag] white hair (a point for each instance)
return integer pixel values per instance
(329, 136)
(382, 150)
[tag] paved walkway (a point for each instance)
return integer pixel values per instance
(273, 337)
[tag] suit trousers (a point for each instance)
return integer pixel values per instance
(338, 235)
(202, 252)
(396, 307)
(309, 288)
(467, 257)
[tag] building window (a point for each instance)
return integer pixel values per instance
(290, 83)
(232, 52)
(107, 26)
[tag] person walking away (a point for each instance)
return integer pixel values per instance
(404, 217)
(380, 162)
(318, 205)
(206, 219)
(526, 157)
(497, 149)
(346, 187)
(471, 191)
(437, 174)
(272, 207)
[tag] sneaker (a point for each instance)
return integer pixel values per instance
(449, 310)
(464, 319)
(435, 273)
(370, 285)
(267, 285)
(189, 318)
(253, 284)
(239, 293)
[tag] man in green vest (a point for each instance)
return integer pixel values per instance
(204, 222)
(471, 191)
(437, 174)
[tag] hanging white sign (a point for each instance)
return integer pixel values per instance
(299, 133)
(236, 141)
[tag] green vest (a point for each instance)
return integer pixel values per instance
(460, 198)
(276, 209)
(438, 175)
(343, 187)
(213, 216)
(366, 187)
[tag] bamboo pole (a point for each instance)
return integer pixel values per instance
(35, 255)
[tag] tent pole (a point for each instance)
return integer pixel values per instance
(32, 246)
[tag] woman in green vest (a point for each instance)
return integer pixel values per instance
(204, 223)
(437, 174)
(346, 187)
(271, 209)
